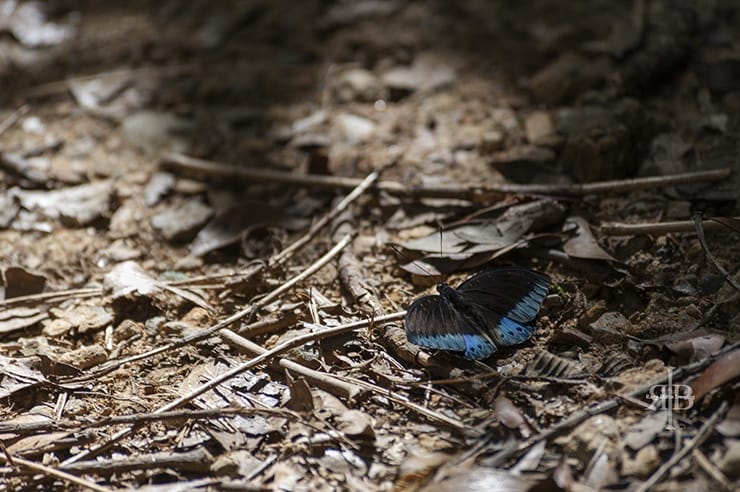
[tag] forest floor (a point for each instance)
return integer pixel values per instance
(213, 215)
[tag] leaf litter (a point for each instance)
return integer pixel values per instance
(130, 287)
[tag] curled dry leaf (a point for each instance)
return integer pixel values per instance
(20, 318)
(230, 225)
(583, 244)
(644, 431)
(128, 279)
(20, 373)
(301, 399)
(720, 372)
(697, 348)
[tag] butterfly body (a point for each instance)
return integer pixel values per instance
(493, 308)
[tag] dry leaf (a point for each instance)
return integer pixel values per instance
(301, 399)
(721, 371)
(355, 423)
(583, 244)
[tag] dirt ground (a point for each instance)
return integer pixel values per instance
(214, 214)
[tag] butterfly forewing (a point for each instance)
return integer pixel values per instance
(514, 293)
(433, 322)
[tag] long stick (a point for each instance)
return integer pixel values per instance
(462, 191)
(619, 229)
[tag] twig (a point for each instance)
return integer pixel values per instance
(340, 382)
(712, 470)
(403, 401)
(709, 255)
(12, 118)
(323, 380)
(324, 221)
(139, 418)
(352, 276)
(313, 268)
(197, 460)
(703, 433)
(619, 229)
(474, 192)
(52, 472)
(305, 274)
(295, 342)
(596, 409)
(57, 296)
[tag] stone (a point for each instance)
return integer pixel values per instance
(85, 357)
(568, 76)
(182, 223)
(540, 129)
(645, 461)
(351, 129)
(610, 327)
(356, 84)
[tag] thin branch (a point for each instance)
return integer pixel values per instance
(238, 370)
(12, 118)
(703, 433)
(325, 220)
(52, 472)
(619, 229)
(340, 382)
(139, 418)
(474, 192)
(323, 380)
(709, 255)
(712, 470)
(313, 268)
(57, 296)
(595, 409)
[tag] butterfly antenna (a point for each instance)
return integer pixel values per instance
(410, 260)
(441, 227)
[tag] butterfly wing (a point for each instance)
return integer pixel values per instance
(504, 330)
(514, 293)
(432, 322)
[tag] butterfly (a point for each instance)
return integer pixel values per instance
(491, 308)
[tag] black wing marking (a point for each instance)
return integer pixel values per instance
(516, 293)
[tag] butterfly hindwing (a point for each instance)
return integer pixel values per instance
(504, 330)
(433, 322)
(515, 293)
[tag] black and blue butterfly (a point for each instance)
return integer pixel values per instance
(492, 308)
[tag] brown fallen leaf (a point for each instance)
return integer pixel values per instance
(583, 244)
(720, 372)
(21, 282)
(301, 399)
(25, 372)
(697, 348)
